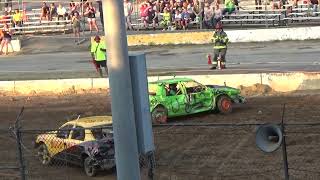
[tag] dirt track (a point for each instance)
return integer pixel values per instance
(183, 153)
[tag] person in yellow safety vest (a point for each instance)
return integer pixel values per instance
(98, 54)
(220, 40)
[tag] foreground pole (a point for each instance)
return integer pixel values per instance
(127, 159)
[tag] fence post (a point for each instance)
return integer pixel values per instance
(20, 154)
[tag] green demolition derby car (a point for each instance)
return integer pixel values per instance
(184, 96)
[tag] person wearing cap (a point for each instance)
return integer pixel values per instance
(220, 40)
(98, 54)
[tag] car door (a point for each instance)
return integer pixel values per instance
(73, 144)
(175, 99)
(57, 143)
(199, 97)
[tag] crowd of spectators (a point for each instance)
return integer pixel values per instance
(178, 14)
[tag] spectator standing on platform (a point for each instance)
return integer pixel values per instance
(7, 36)
(98, 54)
(128, 9)
(76, 26)
(220, 40)
(91, 13)
(17, 19)
(62, 12)
(144, 12)
(177, 19)
(72, 9)
(53, 11)
(44, 12)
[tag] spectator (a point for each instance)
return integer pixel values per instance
(229, 7)
(7, 35)
(62, 12)
(44, 12)
(5, 18)
(196, 8)
(8, 6)
(185, 19)
(166, 20)
(217, 15)
(100, 12)
(152, 18)
(17, 19)
(91, 13)
(208, 15)
(72, 9)
(76, 26)
(177, 19)
(144, 11)
(128, 9)
(53, 11)
(24, 16)
(314, 4)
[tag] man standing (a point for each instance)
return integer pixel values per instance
(220, 40)
(128, 9)
(98, 54)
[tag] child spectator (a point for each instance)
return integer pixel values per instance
(166, 20)
(62, 12)
(185, 19)
(53, 11)
(7, 35)
(177, 19)
(76, 26)
(17, 19)
(128, 9)
(44, 12)
(91, 13)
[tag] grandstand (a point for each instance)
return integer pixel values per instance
(246, 15)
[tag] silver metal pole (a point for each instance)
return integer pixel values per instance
(127, 159)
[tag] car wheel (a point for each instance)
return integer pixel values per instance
(159, 115)
(88, 167)
(224, 104)
(43, 155)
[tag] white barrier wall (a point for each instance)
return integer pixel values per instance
(282, 82)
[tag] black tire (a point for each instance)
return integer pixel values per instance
(88, 168)
(159, 115)
(43, 154)
(224, 104)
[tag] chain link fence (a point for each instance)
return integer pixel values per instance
(186, 152)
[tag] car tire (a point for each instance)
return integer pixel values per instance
(43, 154)
(89, 169)
(159, 115)
(224, 104)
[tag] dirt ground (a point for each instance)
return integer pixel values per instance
(182, 153)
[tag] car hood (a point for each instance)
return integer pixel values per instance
(226, 89)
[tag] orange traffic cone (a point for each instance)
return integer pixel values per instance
(209, 59)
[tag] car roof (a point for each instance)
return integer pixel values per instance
(172, 80)
(91, 121)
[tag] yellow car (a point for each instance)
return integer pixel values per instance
(87, 142)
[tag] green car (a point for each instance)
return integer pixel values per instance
(184, 96)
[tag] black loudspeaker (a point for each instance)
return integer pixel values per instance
(269, 137)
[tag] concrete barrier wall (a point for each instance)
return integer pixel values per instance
(282, 82)
(204, 37)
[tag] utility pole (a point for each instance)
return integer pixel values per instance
(127, 159)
